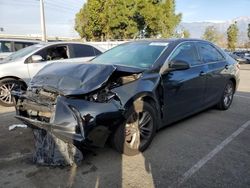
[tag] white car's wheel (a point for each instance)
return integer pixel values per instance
(6, 86)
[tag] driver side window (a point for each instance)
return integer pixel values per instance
(186, 52)
(52, 53)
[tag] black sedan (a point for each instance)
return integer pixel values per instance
(126, 94)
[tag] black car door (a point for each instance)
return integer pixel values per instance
(216, 69)
(183, 90)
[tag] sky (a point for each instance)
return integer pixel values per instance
(23, 16)
(212, 10)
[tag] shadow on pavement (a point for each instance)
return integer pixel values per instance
(174, 150)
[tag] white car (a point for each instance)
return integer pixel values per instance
(247, 57)
(8, 46)
(17, 69)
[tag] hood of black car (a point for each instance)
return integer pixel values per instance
(76, 78)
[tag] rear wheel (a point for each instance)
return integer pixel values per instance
(138, 130)
(227, 98)
(6, 86)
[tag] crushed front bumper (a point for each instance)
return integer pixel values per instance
(72, 120)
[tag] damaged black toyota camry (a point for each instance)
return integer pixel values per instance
(128, 93)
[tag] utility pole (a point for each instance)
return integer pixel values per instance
(44, 38)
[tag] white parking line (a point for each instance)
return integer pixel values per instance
(209, 156)
(242, 96)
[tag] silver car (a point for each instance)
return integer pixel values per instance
(8, 46)
(17, 69)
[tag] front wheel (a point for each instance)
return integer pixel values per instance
(227, 98)
(138, 130)
(6, 86)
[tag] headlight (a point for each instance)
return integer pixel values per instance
(129, 78)
(105, 94)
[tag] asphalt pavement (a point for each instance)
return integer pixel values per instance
(210, 149)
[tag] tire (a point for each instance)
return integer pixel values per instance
(138, 130)
(227, 97)
(6, 86)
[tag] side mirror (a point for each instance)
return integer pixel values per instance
(178, 65)
(36, 58)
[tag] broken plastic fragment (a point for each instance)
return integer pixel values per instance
(50, 150)
(11, 127)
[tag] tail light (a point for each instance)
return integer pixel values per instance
(238, 65)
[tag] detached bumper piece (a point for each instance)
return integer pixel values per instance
(52, 151)
(54, 143)
(49, 149)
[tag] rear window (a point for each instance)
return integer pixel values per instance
(209, 53)
(81, 50)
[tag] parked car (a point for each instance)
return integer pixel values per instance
(240, 60)
(17, 69)
(247, 58)
(128, 92)
(8, 46)
(240, 53)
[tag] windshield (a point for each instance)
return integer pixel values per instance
(23, 52)
(134, 54)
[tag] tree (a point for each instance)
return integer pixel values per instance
(168, 19)
(186, 33)
(147, 17)
(232, 35)
(89, 20)
(211, 34)
(119, 19)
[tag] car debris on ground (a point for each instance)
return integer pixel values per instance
(12, 127)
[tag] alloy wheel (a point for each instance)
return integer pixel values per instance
(138, 129)
(228, 94)
(5, 93)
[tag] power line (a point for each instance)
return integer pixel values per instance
(64, 4)
(77, 2)
(51, 7)
(19, 3)
(61, 10)
(50, 4)
(24, 1)
(59, 7)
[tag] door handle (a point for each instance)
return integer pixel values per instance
(202, 73)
